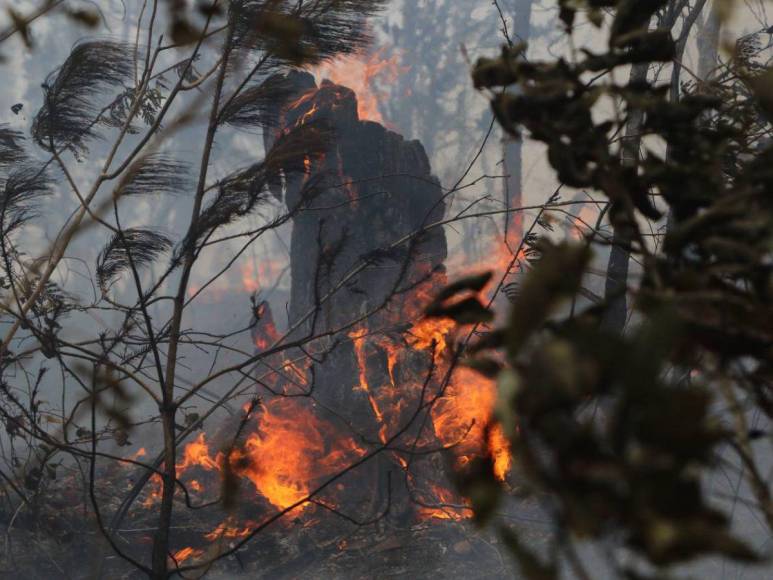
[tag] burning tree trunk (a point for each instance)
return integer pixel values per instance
(350, 275)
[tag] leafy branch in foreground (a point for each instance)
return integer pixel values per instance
(617, 433)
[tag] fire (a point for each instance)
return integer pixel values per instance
(197, 453)
(392, 351)
(463, 416)
(135, 456)
(226, 529)
(264, 331)
(255, 276)
(460, 418)
(291, 449)
(288, 448)
(499, 449)
(387, 400)
(448, 507)
(154, 492)
(186, 553)
(358, 338)
(364, 74)
(428, 331)
(294, 372)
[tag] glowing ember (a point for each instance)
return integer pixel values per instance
(226, 529)
(186, 553)
(445, 506)
(154, 492)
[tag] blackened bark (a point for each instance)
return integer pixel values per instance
(708, 43)
(160, 554)
(513, 148)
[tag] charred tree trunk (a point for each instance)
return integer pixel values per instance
(619, 256)
(708, 43)
(350, 276)
(513, 148)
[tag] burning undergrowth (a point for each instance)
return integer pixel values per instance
(291, 454)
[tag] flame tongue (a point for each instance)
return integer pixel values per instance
(364, 74)
(291, 450)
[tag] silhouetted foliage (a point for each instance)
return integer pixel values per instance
(131, 247)
(617, 432)
(67, 116)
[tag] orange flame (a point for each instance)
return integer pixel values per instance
(265, 332)
(358, 339)
(460, 418)
(254, 277)
(187, 553)
(291, 449)
(226, 529)
(499, 449)
(448, 506)
(364, 74)
(197, 453)
(135, 456)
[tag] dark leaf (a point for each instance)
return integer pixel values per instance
(555, 278)
(466, 311)
(305, 33)
(632, 15)
(11, 147)
(88, 18)
(21, 193)
(469, 284)
(133, 246)
(69, 106)
(154, 174)
(256, 106)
